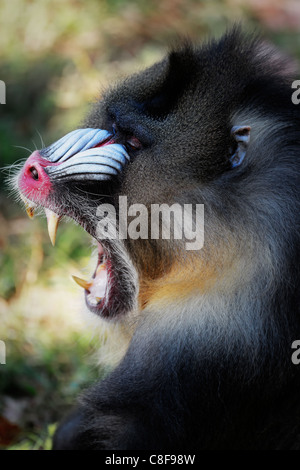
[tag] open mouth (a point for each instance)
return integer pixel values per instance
(110, 292)
(84, 155)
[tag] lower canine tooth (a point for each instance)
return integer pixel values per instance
(52, 221)
(82, 283)
(93, 301)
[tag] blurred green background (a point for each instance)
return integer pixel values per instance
(56, 57)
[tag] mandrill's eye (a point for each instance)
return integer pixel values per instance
(133, 143)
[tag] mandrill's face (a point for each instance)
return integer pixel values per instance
(82, 162)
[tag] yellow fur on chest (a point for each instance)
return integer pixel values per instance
(221, 268)
(181, 282)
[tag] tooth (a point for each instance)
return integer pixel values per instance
(29, 206)
(100, 268)
(82, 283)
(53, 221)
(30, 211)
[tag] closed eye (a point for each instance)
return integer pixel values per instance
(133, 143)
(130, 141)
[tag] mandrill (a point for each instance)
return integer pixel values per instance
(209, 329)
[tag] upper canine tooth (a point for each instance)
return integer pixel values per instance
(52, 221)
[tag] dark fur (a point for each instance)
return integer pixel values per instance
(214, 372)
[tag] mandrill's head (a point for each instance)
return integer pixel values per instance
(210, 127)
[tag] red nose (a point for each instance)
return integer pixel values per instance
(33, 180)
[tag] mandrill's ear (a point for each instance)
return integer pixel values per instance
(241, 135)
